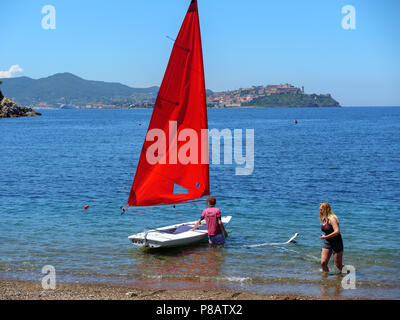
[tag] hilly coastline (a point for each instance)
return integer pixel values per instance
(271, 96)
(67, 88)
(68, 91)
(294, 100)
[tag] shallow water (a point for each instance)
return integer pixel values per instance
(51, 166)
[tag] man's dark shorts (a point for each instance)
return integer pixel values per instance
(217, 239)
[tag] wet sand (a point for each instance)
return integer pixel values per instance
(27, 290)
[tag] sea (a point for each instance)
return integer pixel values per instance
(54, 165)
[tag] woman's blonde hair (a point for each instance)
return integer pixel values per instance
(327, 213)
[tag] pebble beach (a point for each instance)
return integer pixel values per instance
(29, 290)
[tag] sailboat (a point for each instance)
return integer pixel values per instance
(180, 111)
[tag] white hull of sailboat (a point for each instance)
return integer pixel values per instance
(173, 236)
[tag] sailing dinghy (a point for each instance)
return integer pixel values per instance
(173, 236)
(180, 111)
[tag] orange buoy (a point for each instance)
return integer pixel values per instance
(124, 188)
(86, 207)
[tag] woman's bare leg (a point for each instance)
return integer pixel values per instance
(325, 256)
(338, 257)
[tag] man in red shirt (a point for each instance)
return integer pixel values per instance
(215, 226)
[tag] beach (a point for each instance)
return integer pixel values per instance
(29, 290)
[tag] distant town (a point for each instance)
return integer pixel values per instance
(244, 96)
(225, 99)
(149, 103)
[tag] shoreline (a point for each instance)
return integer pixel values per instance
(33, 290)
(238, 107)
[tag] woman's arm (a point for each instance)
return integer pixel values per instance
(336, 229)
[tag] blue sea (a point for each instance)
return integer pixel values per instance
(52, 166)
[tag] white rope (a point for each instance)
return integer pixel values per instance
(291, 240)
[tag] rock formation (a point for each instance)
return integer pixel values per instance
(9, 109)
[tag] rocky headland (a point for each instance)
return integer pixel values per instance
(9, 109)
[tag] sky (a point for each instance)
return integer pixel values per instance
(245, 43)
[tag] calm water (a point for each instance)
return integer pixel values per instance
(51, 166)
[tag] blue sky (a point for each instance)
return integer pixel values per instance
(245, 43)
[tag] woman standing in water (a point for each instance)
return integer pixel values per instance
(332, 239)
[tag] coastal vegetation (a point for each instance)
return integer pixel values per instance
(293, 100)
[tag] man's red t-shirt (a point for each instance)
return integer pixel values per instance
(211, 215)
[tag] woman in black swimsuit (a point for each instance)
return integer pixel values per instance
(332, 239)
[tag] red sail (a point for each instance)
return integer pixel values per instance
(180, 105)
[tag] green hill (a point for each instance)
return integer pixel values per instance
(71, 89)
(293, 100)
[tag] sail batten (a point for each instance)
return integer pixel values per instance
(181, 100)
